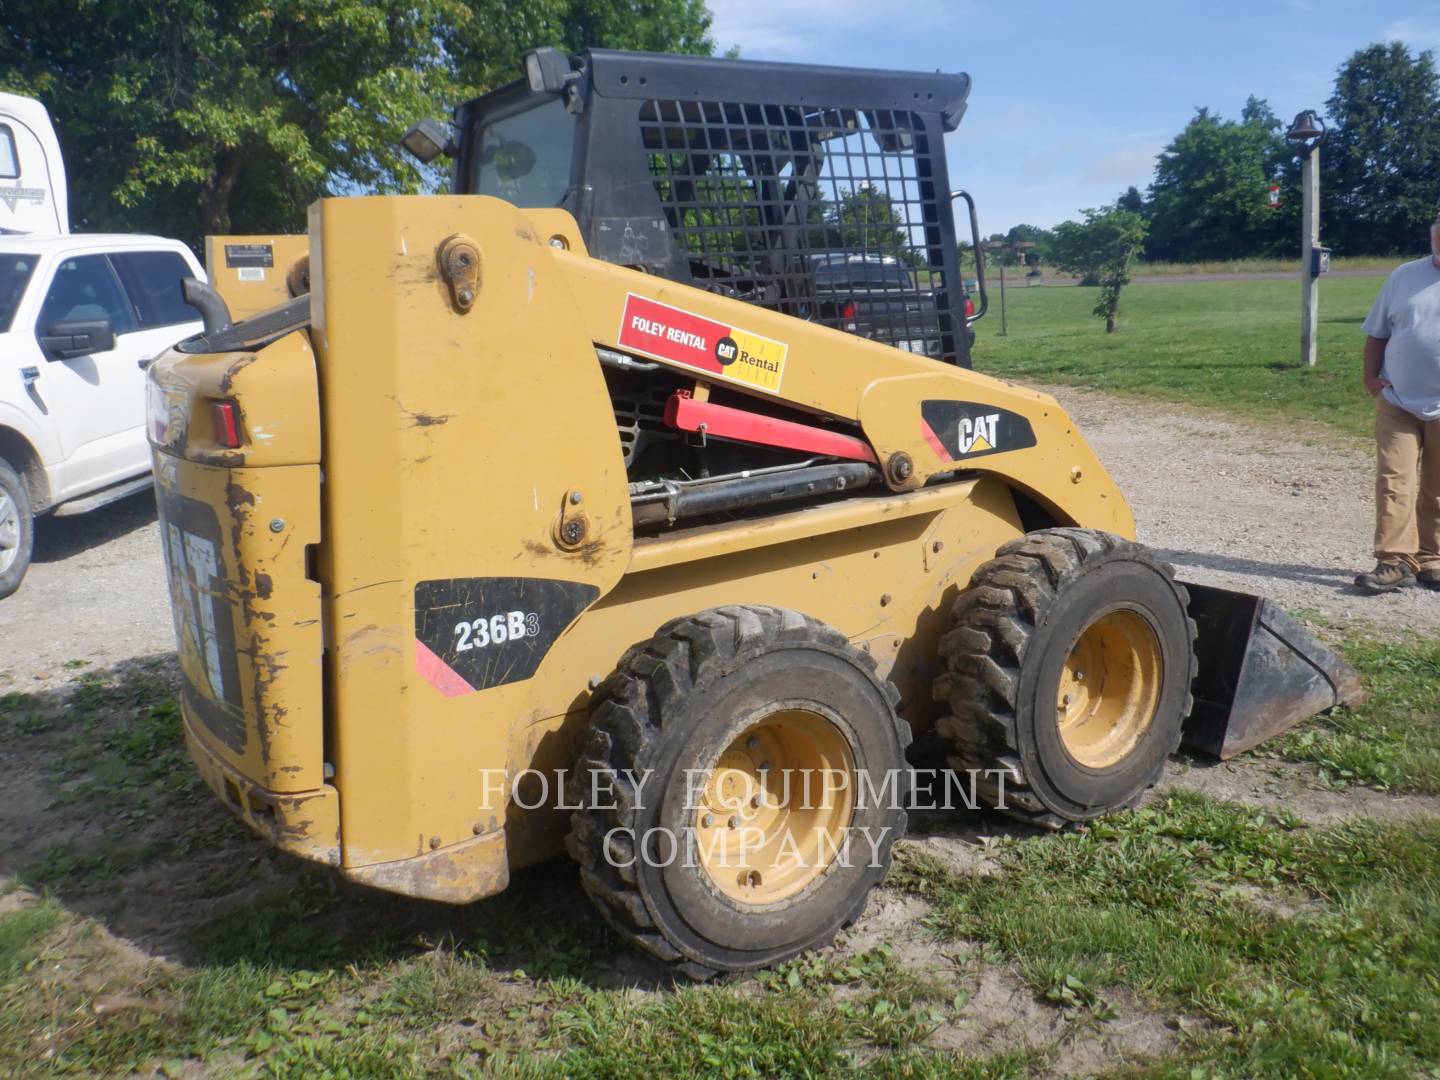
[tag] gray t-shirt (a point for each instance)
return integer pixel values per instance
(1407, 315)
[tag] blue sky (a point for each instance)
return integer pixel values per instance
(1071, 102)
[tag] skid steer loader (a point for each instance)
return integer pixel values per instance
(565, 510)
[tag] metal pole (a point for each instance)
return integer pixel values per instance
(1004, 326)
(1309, 241)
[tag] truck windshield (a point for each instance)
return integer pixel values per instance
(15, 271)
(862, 276)
(525, 159)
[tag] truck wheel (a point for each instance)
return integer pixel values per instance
(17, 530)
(701, 841)
(1067, 675)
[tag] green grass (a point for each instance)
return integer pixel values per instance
(1307, 952)
(1392, 740)
(416, 1010)
(1227, 345)
(1299, 951)
(21, 931)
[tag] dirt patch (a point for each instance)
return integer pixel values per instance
(1283, 786)
(998, 1008)
(1003, 1011)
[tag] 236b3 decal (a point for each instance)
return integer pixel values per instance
(476, 633)
(496, 630)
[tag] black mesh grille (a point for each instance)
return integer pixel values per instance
(830, 215)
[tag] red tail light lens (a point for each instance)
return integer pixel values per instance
(225, 419)
(848, 311)
(969, 308)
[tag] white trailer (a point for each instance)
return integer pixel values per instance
(33, 196)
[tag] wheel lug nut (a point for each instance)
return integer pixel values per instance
(734, 823)
(752, 743)
(707, 820)
(757, 801)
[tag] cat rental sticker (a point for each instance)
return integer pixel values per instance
(724, 352)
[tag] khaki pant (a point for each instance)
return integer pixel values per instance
(1407, 488)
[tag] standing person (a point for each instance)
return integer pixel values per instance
(1402, 373)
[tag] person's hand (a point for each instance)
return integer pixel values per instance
(1374, 384)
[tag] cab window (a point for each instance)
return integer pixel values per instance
(152, 279)
(525, 159)
(9, 159)
(85, 288)
(15, 271)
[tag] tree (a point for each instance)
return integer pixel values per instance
(1257, 113)
(1101, 249)
(1208, 198)
(1031, 234)
(1132, 200)
(487, 46)
(865, 219)
(196, 116)
(1379, 186)
(172, 115)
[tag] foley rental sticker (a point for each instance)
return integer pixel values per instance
(726, 352)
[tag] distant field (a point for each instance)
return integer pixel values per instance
(1228, 345)
(1265, 266)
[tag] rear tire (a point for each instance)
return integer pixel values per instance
(17, 530)
(1067, 675)
(737, 696)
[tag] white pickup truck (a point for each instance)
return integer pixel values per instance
(81, 316)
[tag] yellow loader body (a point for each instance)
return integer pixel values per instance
(396, 595)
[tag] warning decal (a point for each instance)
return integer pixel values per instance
(724, 352)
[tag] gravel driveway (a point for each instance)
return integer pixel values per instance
(1284, 512)
(96, 592)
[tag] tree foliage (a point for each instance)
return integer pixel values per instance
(1379, 187)
(865, 219)
(1101, 249)
(1003, 249)
(193, 116)
(486, 46)
(1379, 183)
(1208, 199)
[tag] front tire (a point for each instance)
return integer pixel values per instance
(17, 530)
(1067, 675)
(692, 777)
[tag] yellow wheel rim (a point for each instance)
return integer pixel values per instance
(1109, 689)
(774, 811)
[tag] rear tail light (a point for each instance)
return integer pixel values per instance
(225, 419)
(969, 308)
(848, 311)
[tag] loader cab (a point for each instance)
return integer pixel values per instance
(739, 177)
(33, 196)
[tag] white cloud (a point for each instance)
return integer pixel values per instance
(1133, 164)
(1417, 35)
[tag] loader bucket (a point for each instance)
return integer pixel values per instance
(1259, 673)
